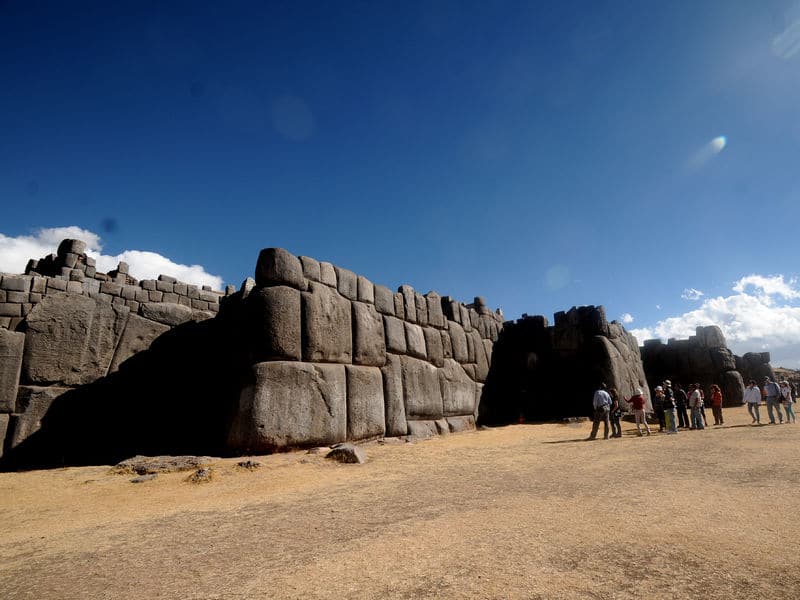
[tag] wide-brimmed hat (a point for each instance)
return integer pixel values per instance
(659, 388)
(667, 382)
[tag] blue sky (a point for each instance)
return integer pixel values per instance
(540, 154)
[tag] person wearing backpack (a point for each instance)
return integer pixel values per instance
(773, 393)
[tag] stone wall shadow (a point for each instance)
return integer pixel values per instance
(177, 397)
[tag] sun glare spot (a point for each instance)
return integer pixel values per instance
(718, 144)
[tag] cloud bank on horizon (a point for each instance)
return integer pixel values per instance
(16, 251)
(762, 314)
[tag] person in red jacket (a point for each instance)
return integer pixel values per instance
(716, 404)
(638, 403)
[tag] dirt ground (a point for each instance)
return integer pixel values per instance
(526, 511)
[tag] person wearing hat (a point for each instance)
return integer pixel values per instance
(658, 406)
(696, 405)
(773, 400)
(637, 401)
(786, 400)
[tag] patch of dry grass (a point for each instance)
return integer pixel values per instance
(527, 511)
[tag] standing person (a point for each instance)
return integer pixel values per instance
(638, 403)
(669, 408)
(680, 405)
(602, 407)
(773, 393)
(786, 393)
(716, 404)
(658, 406)
(616, 413)
(696, 404)
(752, 396)
(702, 403)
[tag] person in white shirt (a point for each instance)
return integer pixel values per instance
(696, 404)
(602, 409)
(752, 396)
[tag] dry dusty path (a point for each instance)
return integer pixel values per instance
(527, 511)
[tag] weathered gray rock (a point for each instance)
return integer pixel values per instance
(366, 290)
(71, 247)
(369, 345)
(139, 333)
(12, 345)
(711, 336)
(327, 326)
(399, 309)
(435, 314)
(274, 323)
(466, 323)
(365, 406)
(394, 403)
(348, 454)
(395, 335)
(732, 387)
(142, 465)
(409, 303)
(415, 341)
(384, 300)
(470, 347)
(459, 424)
(481, 362)
(327, 274)
(291, 404)
(71, 339)
(168, 314)
(422, 309)
(723, 359)
(433, 346)
(248, 285)
(447, 344)
(311, 270)
(5, 420)
(458, 342)
(422, 429)
(422, 392)
(347, 283)
(33, 402)
(458, 390)
(277, 266)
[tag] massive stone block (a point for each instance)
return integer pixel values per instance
(447, 344)
(433, 346)
(366, 290)
(394, 402)
(435, 314)
(71, 339)
(415, 341)
(274, 323)
(711, 337)
(422, 309)
(421, 389)
(369, 346)
(384, 300)
(458, 342)
(277, 266)
(311, 270)
(32, 406)
(723, 359)
(12, 345)
(139, 333)
(399, 309)
(327, 326)
(290, 404)
(168, 314)
(327, 274)
(347, 283)
(481, 362)
(395, 335)
(365, 406)
(409, 303)
(458, 390)
(732, 387)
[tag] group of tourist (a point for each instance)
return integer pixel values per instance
(677, 408)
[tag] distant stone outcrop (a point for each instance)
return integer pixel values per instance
(543, 372)
(705, 358)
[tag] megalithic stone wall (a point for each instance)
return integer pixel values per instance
(334, 357)
(703, 358)
(543, 372)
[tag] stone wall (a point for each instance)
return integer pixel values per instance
(334, 357)
(542, 372)
(704, 358)
(307, 353)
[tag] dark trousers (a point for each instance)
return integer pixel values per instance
(683, 418)
(600, 414)
(717, 410)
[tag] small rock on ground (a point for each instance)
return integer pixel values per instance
(347, 453)
(143, 478)
(203, 475)
(143, 465)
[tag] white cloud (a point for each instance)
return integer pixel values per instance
(16, 251)
(752, 319)
(692, 294)
(626, 318)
